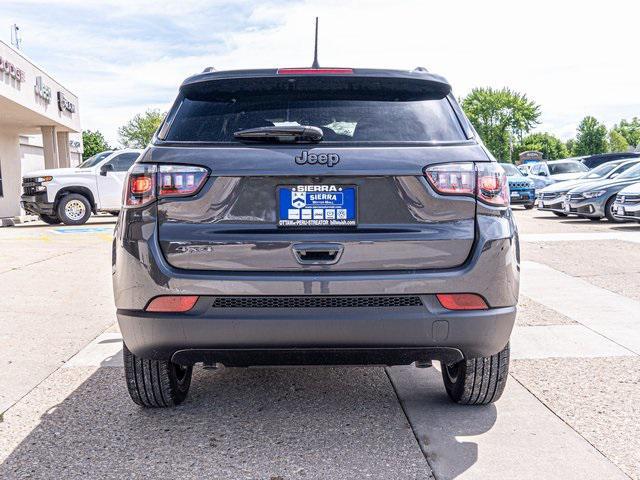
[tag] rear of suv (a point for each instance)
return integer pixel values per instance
(315, 216)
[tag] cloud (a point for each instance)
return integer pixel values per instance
(122, 57)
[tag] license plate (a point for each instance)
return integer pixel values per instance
(515, 195)
(317, 206)
(620, 210)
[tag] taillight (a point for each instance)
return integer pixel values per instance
(146, 182)
(452, 178)
(140, 187)
(492, 184)
(180, 180)
(487, 181)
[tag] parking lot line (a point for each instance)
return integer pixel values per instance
(562, 341)
(518, 437)
(104, 351)
(613, 316)
(577, 236)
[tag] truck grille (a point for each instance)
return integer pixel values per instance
(319, 302)
(29, 186)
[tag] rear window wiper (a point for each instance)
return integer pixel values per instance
(293, 133)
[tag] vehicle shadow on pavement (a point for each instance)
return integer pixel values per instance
(438, 423)
(237, 423)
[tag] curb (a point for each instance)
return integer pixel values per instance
(13, 221)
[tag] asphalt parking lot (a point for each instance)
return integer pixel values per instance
(571, 408)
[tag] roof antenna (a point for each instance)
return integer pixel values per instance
(315, 51)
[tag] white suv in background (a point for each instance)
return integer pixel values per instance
(548, 172)
(70, 195)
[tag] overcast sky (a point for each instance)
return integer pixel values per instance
(124, 56)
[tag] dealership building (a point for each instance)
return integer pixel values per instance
(39, 126)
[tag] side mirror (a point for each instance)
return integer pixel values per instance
(107, 167)
(543, 173)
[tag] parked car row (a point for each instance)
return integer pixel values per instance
(611, 190)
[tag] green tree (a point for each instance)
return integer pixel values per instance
(629, 130)
(501, 117)
(138, 131)
(570, 144)
(93, 142)
(617, 142)
(552, 148)
(591, 137)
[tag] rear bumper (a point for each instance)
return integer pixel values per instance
(251, 336)
(351, 335)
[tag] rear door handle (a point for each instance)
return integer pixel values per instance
(317, 253)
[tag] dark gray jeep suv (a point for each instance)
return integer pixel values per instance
(315, 216)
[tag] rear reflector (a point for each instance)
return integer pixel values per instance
(172, 303)
(314, 71)
(462, 301)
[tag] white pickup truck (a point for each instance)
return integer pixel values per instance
(70, 195)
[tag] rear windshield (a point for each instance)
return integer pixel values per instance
(364, 120)
(568, 167)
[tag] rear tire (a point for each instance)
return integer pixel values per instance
(50, 219)
(155, 383)
(74, 209)
(528, 207)
(477, 381)
(559, 214)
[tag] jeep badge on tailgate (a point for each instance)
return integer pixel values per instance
(329, 159)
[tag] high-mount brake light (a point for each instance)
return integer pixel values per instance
(462, 301)
(146, 182)
(180, 180)
(487, 181)
(315, 71)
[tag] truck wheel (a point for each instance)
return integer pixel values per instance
(477, 381)
(74, 209)
(529, 207)
(155, 383)
(50, 219)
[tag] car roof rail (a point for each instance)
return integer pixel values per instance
(421, 69)
(209, 70)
